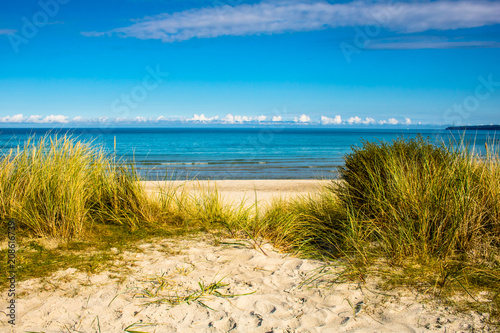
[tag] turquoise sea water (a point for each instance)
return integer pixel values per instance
(236, 153)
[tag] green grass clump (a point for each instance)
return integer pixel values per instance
(165, 290)
(58, 187)
(423, 200)
(430, 212)
(209, 211)
(313, 226)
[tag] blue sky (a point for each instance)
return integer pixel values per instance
(334, 63)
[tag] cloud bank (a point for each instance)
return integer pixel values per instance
(35, 119)
(274, 17)
(228, 119)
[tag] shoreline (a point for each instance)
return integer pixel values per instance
(247, 191)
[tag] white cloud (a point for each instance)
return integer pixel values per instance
(55, 119)
(407, 121)
(230, 119)
(302, 119)
(18, 118)
(139, 119)
(337, 120)
(34, 119)
(277, 118)
(202, 118)
(241, 119)
(354, 120)
(261, 118)
(430, 43)
(281, 16)
(369, 121)
(390, 121)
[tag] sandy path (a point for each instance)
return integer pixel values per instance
(246, 190)
(72, 301)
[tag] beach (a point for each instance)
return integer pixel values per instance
(202, 284)
(256, 289)
(243, 191)
(251, 166)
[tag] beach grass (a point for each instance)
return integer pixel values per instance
(423, 200)
(60, 187)
(411, 213)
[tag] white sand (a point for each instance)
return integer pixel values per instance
(72, 301)
(237, 191)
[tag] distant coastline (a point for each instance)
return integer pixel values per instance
(475, 128)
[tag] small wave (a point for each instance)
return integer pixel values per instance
(185, 163)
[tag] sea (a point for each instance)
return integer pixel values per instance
(216, 153)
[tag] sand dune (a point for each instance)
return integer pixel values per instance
(270, 284)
